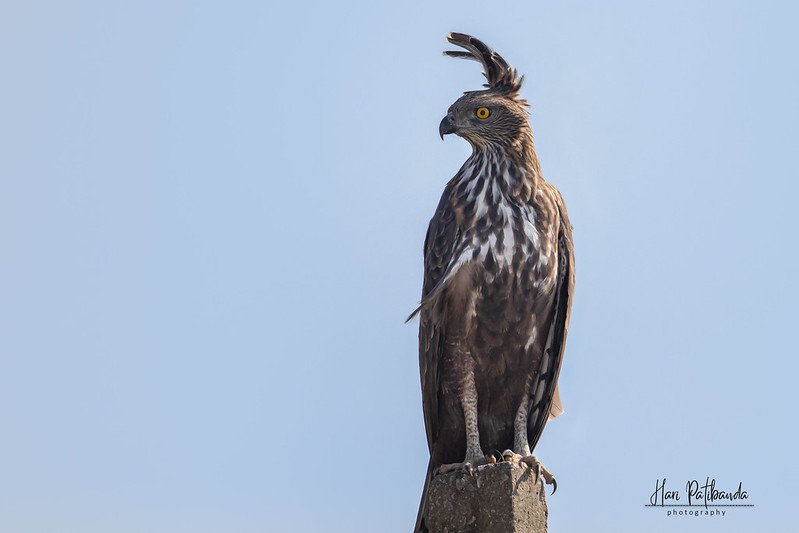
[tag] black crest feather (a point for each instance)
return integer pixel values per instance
(499, 75)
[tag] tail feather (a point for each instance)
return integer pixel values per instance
(556, 407)
(421, 525)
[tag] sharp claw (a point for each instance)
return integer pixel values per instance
(468, 468)
(554, 485)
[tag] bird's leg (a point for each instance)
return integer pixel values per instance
(468, 400)
(522, 445)
(469, 405)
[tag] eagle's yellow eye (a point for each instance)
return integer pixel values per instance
(482, 112)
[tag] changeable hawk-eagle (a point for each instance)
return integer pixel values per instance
(498, 284)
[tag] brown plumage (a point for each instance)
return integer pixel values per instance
(498, 282)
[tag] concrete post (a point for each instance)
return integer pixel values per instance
(498, 498)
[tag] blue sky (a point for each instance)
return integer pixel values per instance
(211, 220)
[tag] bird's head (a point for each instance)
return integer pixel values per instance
(494, 116)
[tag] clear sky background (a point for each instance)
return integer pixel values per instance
(211, 222)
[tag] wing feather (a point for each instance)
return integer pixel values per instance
(550, 404)
(439, 249)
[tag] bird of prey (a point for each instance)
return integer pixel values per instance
(498, 285)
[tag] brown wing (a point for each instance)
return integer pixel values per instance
(559, 325)
(439, 246)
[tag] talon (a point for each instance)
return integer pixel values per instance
(511, 457)
(531, 461)
(466, 466)
(542, 475)
(451, 467)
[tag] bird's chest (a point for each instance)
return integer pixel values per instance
(513, 244)
(513, 279)
(505, 259)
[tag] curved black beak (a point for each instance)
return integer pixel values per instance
(446, 127)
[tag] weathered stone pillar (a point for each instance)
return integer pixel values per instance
(499, 498)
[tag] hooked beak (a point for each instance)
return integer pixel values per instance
(446, 127)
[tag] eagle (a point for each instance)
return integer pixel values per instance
(498, 286)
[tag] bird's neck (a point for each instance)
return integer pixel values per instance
(524, 150)
(514, 166)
